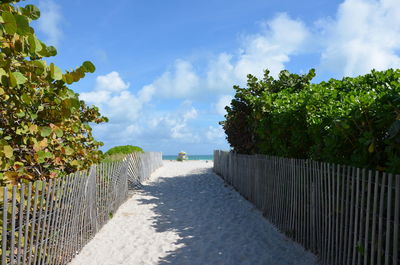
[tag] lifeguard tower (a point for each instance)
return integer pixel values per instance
(182, 156)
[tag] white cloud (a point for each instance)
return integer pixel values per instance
(223, 101)
(269, 49)
(111, 82)
(220, 73)
(364, 35)
(115, 101)
(49, 21)
(215, 134)
(174, 125)
(280, 38)
(180, 82)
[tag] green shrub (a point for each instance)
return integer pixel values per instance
(354, 121)
(124, 149)
(119, 152)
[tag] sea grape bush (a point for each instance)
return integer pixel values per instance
(353, 121)
(44, 127)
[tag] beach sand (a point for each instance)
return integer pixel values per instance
(186, 215)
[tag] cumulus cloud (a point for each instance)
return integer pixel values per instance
(112, 96)
(364, 35)
(279, 38)
(224, 100)
(179, 82)
(111, 82)
(215, 134)
(50, 20)
(174, 125)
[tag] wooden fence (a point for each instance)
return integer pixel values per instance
(345, 215)
(50, 222)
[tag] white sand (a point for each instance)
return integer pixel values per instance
(185, 215)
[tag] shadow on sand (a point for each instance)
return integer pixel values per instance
(215, 225)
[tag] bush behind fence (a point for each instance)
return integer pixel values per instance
(50, 222)
(345, 215)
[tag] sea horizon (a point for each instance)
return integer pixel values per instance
(190, 157)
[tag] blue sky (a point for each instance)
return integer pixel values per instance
(165, 69)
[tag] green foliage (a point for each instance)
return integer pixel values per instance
(118, 153)
(44, 127)
(123, 149)
(353, 121)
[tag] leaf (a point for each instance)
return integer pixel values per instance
(59, 132)
(371, 148)
(75, 163)
(10, 25)
(45, 131)
(20, 114)
(55, 72)
(25, 98)
(41, 156)
(40, 145)
(33, 128)
(35, 45)
(68, 150)
(31, 11)
(22, 25)
(89, 66)
(11, 177)
(8, 151)
(19, 78)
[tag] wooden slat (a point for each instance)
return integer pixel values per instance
(380, 222)
(13, 208)
(4, 228)
(361, 218)
(20, 222)
(343, 204)
(374, 220)
(337, 208)
(368, 218)
(396, 221)
(28, 209)
(388, 231)
(356, 224)
(33, 223)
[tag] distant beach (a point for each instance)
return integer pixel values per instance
(191, 157)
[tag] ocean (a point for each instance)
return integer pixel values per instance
(191, 157)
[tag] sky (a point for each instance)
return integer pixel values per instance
(165, 69)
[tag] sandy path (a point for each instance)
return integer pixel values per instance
(185, 215)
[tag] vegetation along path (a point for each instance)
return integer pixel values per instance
(186, 215)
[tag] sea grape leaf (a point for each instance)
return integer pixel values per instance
(55, 72)
(45, 131)
(8, 151)
(31, 11)
(10, 25)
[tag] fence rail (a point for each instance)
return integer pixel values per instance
(345, 215)
(49, 222)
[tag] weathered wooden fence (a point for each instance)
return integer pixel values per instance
(50, 222)
(345, 215)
